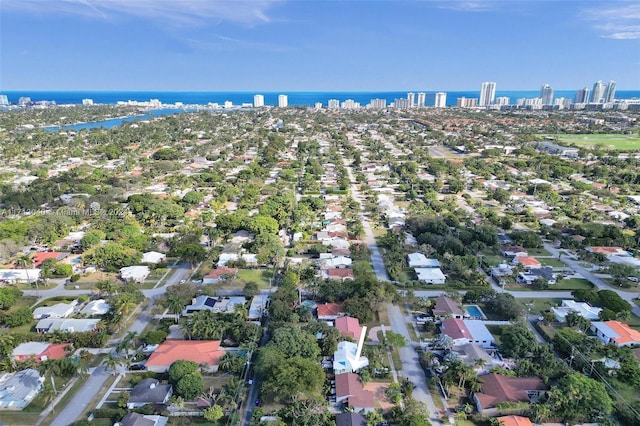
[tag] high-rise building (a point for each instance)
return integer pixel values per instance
(598, 92)
(87, 102)
(502, 100)
(411, 98)
(350, 104)
(401, 103)
(610, 92)
(487, 93)
(24, 100)
(582, 96)
(422, 97)
(318, 105)
(546, 93)
(441, 100)
(283, 101)
(467, 102)
(333, 104)
(258, 101)
(4, 100)
(378, 103)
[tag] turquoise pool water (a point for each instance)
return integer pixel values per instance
(474, 311)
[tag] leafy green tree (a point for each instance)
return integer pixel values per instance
(293, 341)
(251, 289)
(260, 224)
(518, 342)
(213, 413)
(18, 316)
(578, 399)
(9, 296)
(191, 253)
(190, 386)
(180, 369)
(193, 197)
(293, 379)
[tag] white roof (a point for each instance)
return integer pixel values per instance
(30, 348)
(71, 325)
(429, 274)
(96, 307)
(478, 330)
(153, 257)
(603, 328)
(258, 304)
(226, 257)
(417, 259)
(30, 275)
(344, 357)
(135, 272)
(582, 308)
(59, 310)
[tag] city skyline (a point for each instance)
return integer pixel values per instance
(288, 46)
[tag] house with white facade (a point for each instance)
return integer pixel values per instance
(581, 308)
(430, 275)
(135, 273)
(59, 310)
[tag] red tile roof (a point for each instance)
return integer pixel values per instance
(56, 351)
(349, 327)
(200, 351)
(514, 421)
(40, 257)
(330, 310)
(626, 333)
(528, 261)
(455, 328)
(221, 271)
(340, 274)
(349, 385)
(496, 389)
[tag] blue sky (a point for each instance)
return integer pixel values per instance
(274, 45)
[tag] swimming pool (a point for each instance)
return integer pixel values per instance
(474, 311)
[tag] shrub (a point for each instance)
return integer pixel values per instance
(115, 414)
(74, 278)
(180, 369)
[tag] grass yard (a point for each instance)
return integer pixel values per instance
(554, 263)
(538, 252)
(634, 288)
(572, 284)
(612, 141)
(538, 306)
(259, 276)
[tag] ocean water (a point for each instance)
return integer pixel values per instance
(271, 98)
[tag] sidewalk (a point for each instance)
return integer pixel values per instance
(57, 399)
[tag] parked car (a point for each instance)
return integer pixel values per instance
(137, 367)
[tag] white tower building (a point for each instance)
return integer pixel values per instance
(441, 100)
(421, 99)
(283, 101)
(258, 101)
(487, 93)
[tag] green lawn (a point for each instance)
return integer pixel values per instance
(612, 141)
(554, 263)
(259, 276)
(538, 252)
(572, 284)
(538, 306)
(635, 288)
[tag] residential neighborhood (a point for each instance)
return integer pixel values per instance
(270, 265)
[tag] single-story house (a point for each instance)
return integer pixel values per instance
(18, 389)
(201, 351)
(527, 262)
(153, 257)
(447, 308)
(40, 257)
(219, 274)
(350, 419)
(349, 327)
(496, 389)
(334, 262)
(137, 419)
(200, 303)
(467, 331)
(96, 308)
(258, 306)
(430, 275)
(419, 260)
(470, 353)
(502, 270)
(225, 258)
(330, 311)
(514, 421)
(13, 276)
(349, 390)
(513, 251)
(581, 308)
(135, 273)
(59, 310)
(338, 274)
(39, 351)
(70, 325)
(616, 332)
(608, 251)
(348, 357)
(532, 274)
(149, 391)
(336, 242)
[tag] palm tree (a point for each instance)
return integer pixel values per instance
(25, 262)
(48, 394)
(50, 368)
(175, 306)
(128, 342)
(112, 362)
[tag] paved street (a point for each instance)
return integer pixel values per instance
(96, 380)
(411, 367)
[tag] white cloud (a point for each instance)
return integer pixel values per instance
(620, 22)
(467, 5)
(175, 12)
